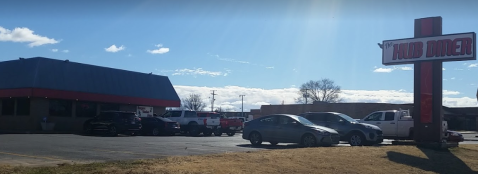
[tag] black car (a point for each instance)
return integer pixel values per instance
(114, 123)
(157, 125)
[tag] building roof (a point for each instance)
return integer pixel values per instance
(46, 73)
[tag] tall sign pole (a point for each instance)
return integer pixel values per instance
(242, 107)
(427, 51)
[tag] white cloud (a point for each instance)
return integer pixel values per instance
(453, 78)
(114, 49)
(232, 60)
(443, 69)
(270, 67)
(383, 70)
(446, 92)
(228, 96)
(66, 51)
(198, 71)
(160, 50)
(24, 34)
(54, 50)
(473, 65)
(129, 55)
(406, 68)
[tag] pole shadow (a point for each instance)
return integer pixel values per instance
(442, 161)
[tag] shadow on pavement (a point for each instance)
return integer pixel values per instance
(438, 161)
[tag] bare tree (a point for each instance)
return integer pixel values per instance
(193, 102)
(323, 90)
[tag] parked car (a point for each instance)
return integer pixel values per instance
(284, 128)
(395, 124)
(355, 133)
(157, 125)
(227, 125)
(114, 123)
(190, 122)
(454, 136)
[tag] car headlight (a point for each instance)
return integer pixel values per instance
(324, 133)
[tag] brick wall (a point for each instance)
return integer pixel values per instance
(354, 110)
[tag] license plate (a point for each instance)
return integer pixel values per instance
(232, 128)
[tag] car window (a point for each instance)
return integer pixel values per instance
(389, 116)
(105, 116)
(269, 120)
(317, 117)
(374, 117)
(172, 114)
(333, 118)
(202, 115)
(190, 114)
(283, 120)
(128, 116)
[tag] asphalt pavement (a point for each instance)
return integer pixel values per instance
(53, 149)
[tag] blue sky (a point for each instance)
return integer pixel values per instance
(252, 44)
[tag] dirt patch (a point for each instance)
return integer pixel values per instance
(384, 159)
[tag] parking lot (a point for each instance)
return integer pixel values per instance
(52, 149)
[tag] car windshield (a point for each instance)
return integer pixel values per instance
(348, 118)
(304, 121)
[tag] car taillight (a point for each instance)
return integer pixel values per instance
(139, 119)
(246, 123)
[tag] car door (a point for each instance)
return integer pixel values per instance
(267, 128)
(286, 131)
(337, 123)
(389, 124)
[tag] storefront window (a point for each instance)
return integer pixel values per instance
(60, 108)
(23, 106)
(85, 109)
(8, 106)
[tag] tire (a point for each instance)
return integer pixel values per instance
(113, 131)
(255, 138)
(357, 139)
(194, 131)
(207, 132)
(218, 132)
(308, 140)
(231, 134)
(155, 132)
(410, 136)
(274, 143)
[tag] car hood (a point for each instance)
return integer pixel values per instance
(371, 125)
(323, 128)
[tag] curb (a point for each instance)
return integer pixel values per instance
(40, 132)
(471, 139)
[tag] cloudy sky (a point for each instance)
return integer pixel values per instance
(261, 49)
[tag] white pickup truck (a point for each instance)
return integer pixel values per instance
(395, 124)
(191, 123)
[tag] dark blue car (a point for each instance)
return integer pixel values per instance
(158, 125)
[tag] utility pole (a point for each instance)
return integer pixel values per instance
(242, 107)
(306, 95)
(212, 102)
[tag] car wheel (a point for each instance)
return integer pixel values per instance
(207, 132)
(356, 139)
(155, 132)
(218, 132)
(231, 133)
(255, 138)
(309, 141)
(113, 131)
(194, 131)
(274, 143)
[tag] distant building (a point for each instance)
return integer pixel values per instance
(68, 93)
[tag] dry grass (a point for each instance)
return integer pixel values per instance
(385, 159)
